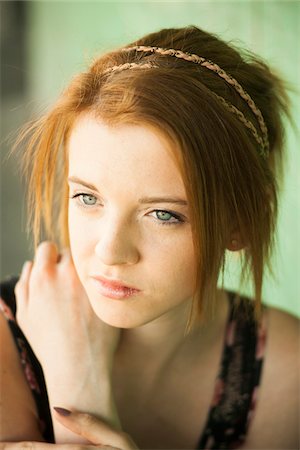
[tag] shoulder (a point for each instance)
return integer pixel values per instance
(276, 418)
(17, 405)
(283, 345)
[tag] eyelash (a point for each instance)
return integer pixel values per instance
(79, 197)
(179, 219)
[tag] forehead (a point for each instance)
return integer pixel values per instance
(135, 155)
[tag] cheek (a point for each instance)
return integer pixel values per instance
(173, 264)
(75, 231)
(183, 273)
(167, 261)
(81, 240)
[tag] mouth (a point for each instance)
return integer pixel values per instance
(115, 289)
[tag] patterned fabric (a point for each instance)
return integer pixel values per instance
(236, 385)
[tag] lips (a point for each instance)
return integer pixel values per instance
(115, 289)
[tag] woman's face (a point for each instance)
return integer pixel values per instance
(129, 228)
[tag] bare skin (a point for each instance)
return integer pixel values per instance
(71, 346)
(149, 386)
(281, 431)
(170, 400)
(181, 402)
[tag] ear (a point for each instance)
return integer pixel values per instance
(235, 242)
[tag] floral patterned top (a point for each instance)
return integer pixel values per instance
(236, 386)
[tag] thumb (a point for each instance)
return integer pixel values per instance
(96, 430)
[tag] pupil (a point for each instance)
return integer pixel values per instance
(163, 215)
(88, 199)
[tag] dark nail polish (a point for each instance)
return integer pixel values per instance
(62, 411)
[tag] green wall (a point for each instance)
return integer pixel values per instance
(64, 36)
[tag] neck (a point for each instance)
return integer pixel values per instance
(165, 333)
(153, 345)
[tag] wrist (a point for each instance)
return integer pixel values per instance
(88, 393)
(96, 401)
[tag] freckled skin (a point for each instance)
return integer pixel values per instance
(113, 235)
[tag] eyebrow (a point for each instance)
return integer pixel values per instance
(83, 183)
(175, 200)
(143, 200)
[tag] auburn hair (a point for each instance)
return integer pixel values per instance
(229, 185)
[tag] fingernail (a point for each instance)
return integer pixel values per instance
(62, 411)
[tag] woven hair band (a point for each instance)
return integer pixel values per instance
(261, 140)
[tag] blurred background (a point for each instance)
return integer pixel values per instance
(44, 43)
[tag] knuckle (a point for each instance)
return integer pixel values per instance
(44, 269)
(46, 245)
(86, 423)
(46, 251)
(86, 419)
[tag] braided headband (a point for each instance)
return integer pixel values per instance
(261, 140)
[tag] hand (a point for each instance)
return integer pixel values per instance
(74, 347)
(97, 432)
(49, 290)
(94, 430)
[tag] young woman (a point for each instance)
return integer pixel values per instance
(154, 163)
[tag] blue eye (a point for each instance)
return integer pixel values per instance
(86, 199)
(163, 215)
(167, 217)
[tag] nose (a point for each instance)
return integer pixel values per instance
(117, 244)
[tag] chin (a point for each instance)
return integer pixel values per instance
(122, 316)
(118, 315)
(119, 321)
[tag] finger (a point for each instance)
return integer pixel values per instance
(22, 286)
(95, 430)
(65, 256)
(25, 445)
(35, 445)
(46, 254)
(26, 271)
